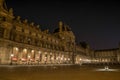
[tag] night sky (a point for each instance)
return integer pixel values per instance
(97, 23)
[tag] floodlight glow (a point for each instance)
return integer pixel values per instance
(106, 68)
(32, 51)
(37, 57)
(12, 55)
(80, 59)
(39, 52)
(16, 49)
(52, 58)
(69, 59)
(50, 53)
(28, 56)
(25, 50)
(61, 58)
(45, 52)
(65, 59)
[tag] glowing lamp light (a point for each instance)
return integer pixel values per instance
(28, 56)
(52, 58)
(61, 58)
(23, 59)
(14, 59)
(39, 52)
(16, 49)
(65, 59)
(80, 59)
(38, 57)
(32, 51)
(25, 50)
(69, 59)
(45, 52)
(12, 55)
(57, 58)
(50, 53)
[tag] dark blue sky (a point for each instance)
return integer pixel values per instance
(97, 23)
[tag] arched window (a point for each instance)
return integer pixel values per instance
(1, 32)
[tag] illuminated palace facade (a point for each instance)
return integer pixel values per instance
(107, 56)
(22, 42)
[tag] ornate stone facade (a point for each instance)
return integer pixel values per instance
(22, 42)
(107, 56)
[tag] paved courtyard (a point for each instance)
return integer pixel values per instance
(66, 72)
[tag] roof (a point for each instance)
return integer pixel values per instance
(63, 29)
(108, 49)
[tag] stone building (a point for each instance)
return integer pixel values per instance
(107, 56)
(83, 53)
(22, 42)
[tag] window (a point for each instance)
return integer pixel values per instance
(2, 18)
(1, 32)
(22, 38)
(36, 42)
(30, 33)
(29, 40)
(22, 30)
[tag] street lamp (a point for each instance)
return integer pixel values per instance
(28, 56)
(65, 59)
(11, 57)
(28, 59)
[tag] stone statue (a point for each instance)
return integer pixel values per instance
(38, 26)
(60, 26)
(32, 24)
(46, 31)
(18, 19)
(11, 11)
(25, 21)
